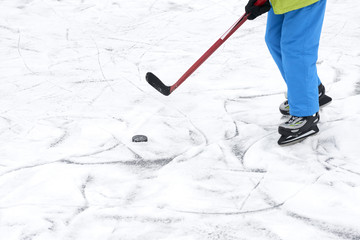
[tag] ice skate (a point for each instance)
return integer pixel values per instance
(298, 128)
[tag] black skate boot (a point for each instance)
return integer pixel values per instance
(323, 101)
(298, 128)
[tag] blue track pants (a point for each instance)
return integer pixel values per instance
(293, 41)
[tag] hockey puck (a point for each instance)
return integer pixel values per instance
(139, 138)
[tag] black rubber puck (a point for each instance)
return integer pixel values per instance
(139, 138)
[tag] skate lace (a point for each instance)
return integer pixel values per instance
(294, 120)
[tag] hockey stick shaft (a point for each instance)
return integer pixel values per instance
(209, 52)
(167, 90)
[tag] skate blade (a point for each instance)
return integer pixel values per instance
(290, 140)
(324, 101)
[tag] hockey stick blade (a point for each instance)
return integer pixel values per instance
(157, 84)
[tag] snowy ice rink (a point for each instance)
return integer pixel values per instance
(73, 93)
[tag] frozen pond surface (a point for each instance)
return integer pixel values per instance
(73, 93)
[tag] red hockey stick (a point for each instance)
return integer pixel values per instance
(167, 90)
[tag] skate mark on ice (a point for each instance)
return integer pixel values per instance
(268, 233)
(328, 148)
(236, 132)
(328, 161)
(138, 162)
(8, 123)
(250, 193)
(142, 164)
(142, 219)
(194, 137)
(26, 167)
(86, 81)
(256, 96)
(101, 93)
(234, 122)
(240, 151)
(100, 66)
(260, 210)
(338, 74)
(206, 140)
(337, 230)
(53, 224)
(60, 140)
(152, 5)
(21, 56)
(192, 151)
(96, 152)
(85, 206)
(357, 88)
(7, 28)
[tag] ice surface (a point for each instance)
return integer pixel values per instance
(73, 93)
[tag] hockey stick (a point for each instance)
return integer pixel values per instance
(167, 90)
